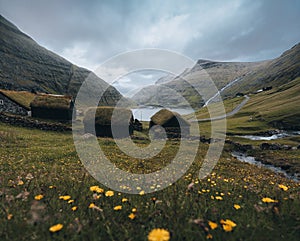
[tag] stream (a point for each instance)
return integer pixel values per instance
(251, 160)
(279, 135)
(221, 90)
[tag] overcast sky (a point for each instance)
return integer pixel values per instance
(89, 32)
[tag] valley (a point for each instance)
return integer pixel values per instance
(48, 193)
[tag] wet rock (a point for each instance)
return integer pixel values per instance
(270, 146)
(286, 147)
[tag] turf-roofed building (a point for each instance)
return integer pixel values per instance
(173, 123)
(108, 121)
(55, 107)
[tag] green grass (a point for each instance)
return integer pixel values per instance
(275, 109)
(229, 105)
(31, 161)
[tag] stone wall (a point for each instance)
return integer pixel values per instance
(31, 123)
(7, 105)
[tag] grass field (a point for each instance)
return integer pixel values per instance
(43, 183)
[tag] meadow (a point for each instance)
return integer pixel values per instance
(46, 194)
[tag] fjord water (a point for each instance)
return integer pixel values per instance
(145, 113)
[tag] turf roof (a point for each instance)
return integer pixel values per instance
(52, 101)
(164, 115)
(104, 114)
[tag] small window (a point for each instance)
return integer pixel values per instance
(1, 102)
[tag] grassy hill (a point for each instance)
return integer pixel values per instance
(25, 65)
(220, 72)
(278, 108)
(253, 76)
(274, 73)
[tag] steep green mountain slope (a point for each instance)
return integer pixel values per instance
(220, 72)
(252, 77)
(274, 73)
(25, 65)
(278, 108)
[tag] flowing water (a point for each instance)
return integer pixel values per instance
(221, 90)
(251, 160)
(282, 134)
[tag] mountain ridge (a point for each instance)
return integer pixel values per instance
(25, 65)
(253, 76)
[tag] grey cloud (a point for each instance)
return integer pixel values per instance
(89, 32)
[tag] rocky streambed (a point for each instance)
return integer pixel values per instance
(257, 162)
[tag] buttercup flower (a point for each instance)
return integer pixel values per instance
(56, 228)
(209, 236)
(109, 193)
(131, 216)
(159, 234)
(212, 225)
(283, 187)
(219, 198)
(227, 225)
(117, 208)
(236, 206)
(96, 189)
(39, 197)
(92, 205)
(269, 200)
(65, 198)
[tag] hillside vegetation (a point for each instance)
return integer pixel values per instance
(25, 65)
(43, 184)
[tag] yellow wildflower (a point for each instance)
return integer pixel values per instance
(142, 193)
(96, 189)
(209, 236)
(212, 225)
(236, 206)
(56, 228)
(109, 193)
(269, 200)
(93, 188)
(227, 225)
(159, 234)
(92, 205)
(100, 190)
(117, 208)
(20, 183)
(71, 201)
(283, 187)
(65, 198)
(131, 216)
(134, 210)
(74, 208)
(124, 200)
(39, 197)
(219, 198)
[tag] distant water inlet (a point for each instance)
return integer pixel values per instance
(145, 113)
